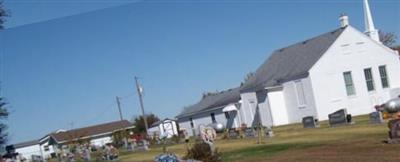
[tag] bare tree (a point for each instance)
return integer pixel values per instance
(387, 38)
(3, 14)
(3, 110)
(247, 78)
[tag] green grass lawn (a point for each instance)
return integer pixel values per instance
(358, 142)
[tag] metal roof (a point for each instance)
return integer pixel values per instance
(25, 144)
(292, 62)
(212, 101)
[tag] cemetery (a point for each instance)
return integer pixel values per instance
(303, 111)
(361, 141)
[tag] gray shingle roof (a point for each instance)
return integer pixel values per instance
(212, 101)
(292, 62)
(25, 144)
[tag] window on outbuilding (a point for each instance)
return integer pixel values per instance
(301, 98)
(227, 116)
(213, 118)
(369, 79)
(191, 122)
(348, 81)
(384, 78)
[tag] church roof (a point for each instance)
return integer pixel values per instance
(292, 62)
(212, 101)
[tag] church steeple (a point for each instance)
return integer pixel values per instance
(369, 23)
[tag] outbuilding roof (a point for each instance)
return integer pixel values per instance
(26, 144)
(292, 62)
(90, 131)
(217, 100)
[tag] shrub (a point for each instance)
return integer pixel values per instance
(176, 139)
(202, 151)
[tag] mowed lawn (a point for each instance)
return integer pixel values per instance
(358, 142)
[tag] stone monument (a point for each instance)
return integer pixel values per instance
(375, 117)
(310, 122)
(339, 117)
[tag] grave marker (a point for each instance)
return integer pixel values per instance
(309, 122)
(339, 117)
(375, 117)
(249, 133)
(233, 133)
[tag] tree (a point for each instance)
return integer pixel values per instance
(397, 48)
(3, 109)
(3, 115)
(3, 14)
(247, 78)
(138, 122)
(387, 38)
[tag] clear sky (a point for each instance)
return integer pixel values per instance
(65, 61)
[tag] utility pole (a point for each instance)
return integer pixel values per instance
(139, 90)
(120, 116)
(119, 108)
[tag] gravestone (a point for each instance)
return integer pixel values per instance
(208, 134)
(394, 131)
(142, 145)
(309, 122)
(268, 132)
(249, 132)
(375, 117)
(233, 133)
(338, 118)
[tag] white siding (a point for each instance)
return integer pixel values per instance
(204, 118)
(247, 108)
(360, 53)
(28, 151)
(278, 108)
(295, 111)
(185, 125)
(101, 141)
(47, 153)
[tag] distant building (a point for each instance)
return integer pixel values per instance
(219, 107)
(97, 135)
(166, 127)
(28, 149)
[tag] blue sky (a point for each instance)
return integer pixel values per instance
(64, 62)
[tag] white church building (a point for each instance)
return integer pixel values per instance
(343, 68)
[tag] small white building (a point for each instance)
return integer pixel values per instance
(219, 107)
(97, 135)
(28, 149)
(166, 126)
(343, 68)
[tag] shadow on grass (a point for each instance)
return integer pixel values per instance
(264, 150)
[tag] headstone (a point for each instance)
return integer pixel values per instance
(394, 131)
(249, 132)
(338, 118)
(268, 132)
(375, 117)
(309, 122)
(142, 145)
(208, 134)
(233, 133)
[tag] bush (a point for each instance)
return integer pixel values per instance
(202, 151)
(176, 139)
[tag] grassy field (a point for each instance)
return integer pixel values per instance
(358, 142)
